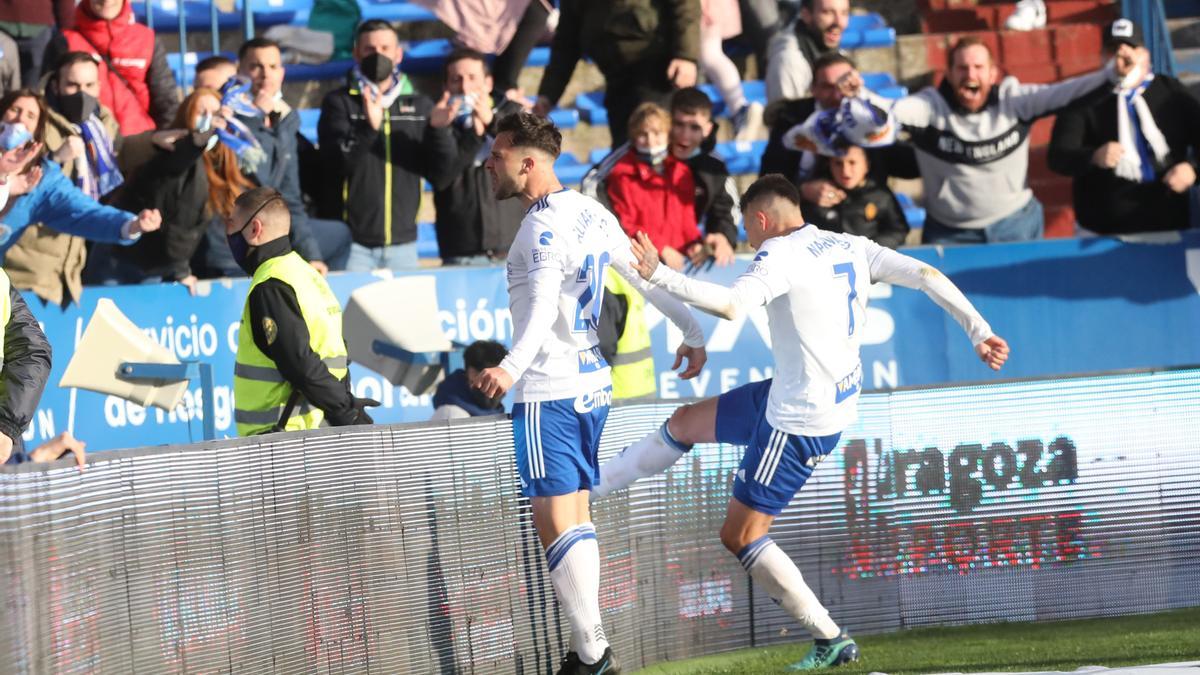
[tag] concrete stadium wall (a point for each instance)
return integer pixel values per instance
(408, 549)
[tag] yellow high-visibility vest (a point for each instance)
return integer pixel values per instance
(259, 390)
(633, 366)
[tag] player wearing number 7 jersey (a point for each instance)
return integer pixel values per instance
(556, 268)
(814, 285)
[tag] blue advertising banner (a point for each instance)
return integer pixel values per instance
(1065, 306)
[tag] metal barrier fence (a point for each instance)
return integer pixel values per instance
(407, 549)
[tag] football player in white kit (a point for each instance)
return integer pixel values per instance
(814, 285)
(556, 268)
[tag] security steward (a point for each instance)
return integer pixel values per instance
(26, 358)
(291, 370)
(625, 339)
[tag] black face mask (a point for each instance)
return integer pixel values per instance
(376, 67)
(77, 107)
(239, 247)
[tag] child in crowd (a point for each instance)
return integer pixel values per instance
(869, 210)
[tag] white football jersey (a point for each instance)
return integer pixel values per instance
(819, 282)
(577, 239)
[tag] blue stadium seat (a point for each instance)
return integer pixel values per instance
(427, 246)
(271, 13)
(868, 30)
(912, 212)
(569, 169)
(742, 157)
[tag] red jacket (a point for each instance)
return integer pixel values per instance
(663, 206)
(130, 48)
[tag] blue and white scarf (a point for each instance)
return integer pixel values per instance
(398, 81)
(97, 174)
(235, 95)
(1142, 143)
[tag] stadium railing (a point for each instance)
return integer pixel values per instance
(408, 548)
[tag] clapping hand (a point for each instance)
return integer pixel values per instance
(148, 220)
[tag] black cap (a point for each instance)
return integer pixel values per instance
(1123, 32)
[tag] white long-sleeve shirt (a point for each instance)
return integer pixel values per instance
(555, 286)
(814, 285)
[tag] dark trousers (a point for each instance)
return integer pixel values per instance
(639, 84)
(506, 69)
(33, 52)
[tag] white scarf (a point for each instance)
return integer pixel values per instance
(1134, 165)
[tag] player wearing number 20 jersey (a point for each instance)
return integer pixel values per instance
(555, 270)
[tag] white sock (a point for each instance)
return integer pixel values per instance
(654, 454)
(775, 572)
(574, 561)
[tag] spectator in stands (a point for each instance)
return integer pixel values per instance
(693, 137)
(472, 227)
(82, 137)
(456, 396)
(971, 137)
(721, 20)
(213, 72)
(26, 370)
(10, 65)
(325, 244)
(34, 25)
(291, 370)
(135, 81)
(793, 52)
(805, 167)
(34, 190)
(651, 191)
(191, 184)
(376, 129)
(644, 49)
(869, 209)
(1132, 151)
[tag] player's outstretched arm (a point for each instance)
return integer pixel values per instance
(896, 268)
(692, 350)
(747, 292)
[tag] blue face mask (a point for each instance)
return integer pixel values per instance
(13, 135)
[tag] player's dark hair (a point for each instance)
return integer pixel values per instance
(691, 100)
(483, 354)
(462, 54)
(771, 185)
(530, 131)
(214, 62)
(257, 43)
(371, 26)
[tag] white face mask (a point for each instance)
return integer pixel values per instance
(653, 154)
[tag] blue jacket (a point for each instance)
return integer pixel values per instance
(281, 170)
(56, 202)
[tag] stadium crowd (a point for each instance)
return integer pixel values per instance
(96, 130)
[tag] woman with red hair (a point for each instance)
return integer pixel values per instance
(191, 185)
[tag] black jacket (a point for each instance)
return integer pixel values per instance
(469, 219)
(869, 211)
(26, 371)
(1104, 202)
(290, 349)
(897, 160)
(620, 36)
(355, 159)
(714, 188)
(175, 183)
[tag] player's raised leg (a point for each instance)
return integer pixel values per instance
(661, 448)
